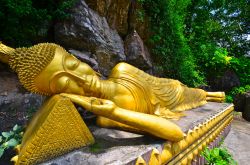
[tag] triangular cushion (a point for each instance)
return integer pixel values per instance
(57, 128)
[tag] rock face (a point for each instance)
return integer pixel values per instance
(122, 15)
(86, 30)
(226, 82)
(239, 102)
(242, 104)
(16, 104)
(246, 111)
(116, 13)
(139, 22)
(136, 53)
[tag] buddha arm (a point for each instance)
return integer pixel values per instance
(154, 125)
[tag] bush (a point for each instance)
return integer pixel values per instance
(235, 91)
(10, 139)
(197, 41)
(169, 44)
(218, 156)
(25, 22)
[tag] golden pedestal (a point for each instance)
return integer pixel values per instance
(204, 126)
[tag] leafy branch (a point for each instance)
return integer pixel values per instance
(10, 139)
(218, 156)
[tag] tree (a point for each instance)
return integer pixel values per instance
(170, 46)
(25, 22)
(216, 30)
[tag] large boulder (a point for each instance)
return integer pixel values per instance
(226, 82)
(136, 53)
(239, 102)
(246, 110)
(86, 30)
(16, 104)
(242, 104)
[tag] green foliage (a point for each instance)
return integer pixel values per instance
(229, 98)
(25, 22)
(240, 90)
(241, 66)
(235, 91)
(140, 15)
(216, 63)
(218, 156)
(170, 45)
(218, 23)
(10, 139)
(217, 35)
(96, 147)
(197, 41)
(220, 58)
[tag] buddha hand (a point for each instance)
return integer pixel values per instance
(92, 104)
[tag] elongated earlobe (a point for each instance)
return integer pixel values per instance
(5, 53)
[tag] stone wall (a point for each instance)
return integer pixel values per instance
(17, 105)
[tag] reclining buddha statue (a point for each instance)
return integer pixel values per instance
(129, 98)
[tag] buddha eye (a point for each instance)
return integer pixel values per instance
(61, 84)
(72, 63)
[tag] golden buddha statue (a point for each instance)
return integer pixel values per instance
(129, 99)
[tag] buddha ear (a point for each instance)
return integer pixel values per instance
(5, 53)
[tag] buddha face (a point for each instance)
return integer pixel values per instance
(64, 74)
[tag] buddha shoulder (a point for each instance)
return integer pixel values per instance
(123, 68)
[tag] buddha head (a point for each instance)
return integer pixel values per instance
(47, 68)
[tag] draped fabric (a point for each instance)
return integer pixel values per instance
(153, 94)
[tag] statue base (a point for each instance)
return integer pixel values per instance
(205, 126)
